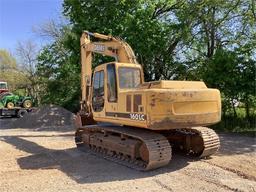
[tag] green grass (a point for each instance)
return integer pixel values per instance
(239, 124)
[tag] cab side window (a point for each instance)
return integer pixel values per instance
(98, 91)
(111, 82)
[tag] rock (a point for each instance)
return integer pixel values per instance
(51, 117)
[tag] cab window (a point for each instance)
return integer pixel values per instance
(129, 77)
(98, 91)
(111, 83)
(3, 85)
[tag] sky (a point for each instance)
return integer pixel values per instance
(18, 17)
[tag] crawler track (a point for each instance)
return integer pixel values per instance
(196, 141)
(151, 150)
(143, 149)
(210, 139)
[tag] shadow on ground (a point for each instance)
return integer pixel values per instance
(82, 167)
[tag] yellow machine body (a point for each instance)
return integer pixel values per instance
(145, 120)
(158, 105)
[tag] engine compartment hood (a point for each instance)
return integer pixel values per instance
(165, 84)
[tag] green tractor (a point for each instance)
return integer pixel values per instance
(12, 105)
(10, 101)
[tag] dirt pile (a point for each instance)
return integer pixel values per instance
(47, 117)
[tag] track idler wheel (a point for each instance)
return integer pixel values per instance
(144, 154)
(196, 141)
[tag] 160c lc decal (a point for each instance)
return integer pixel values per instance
(138, 117)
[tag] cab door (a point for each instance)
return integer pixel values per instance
(98, 93)
(112, 96)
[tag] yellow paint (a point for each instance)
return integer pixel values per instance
(165, 104)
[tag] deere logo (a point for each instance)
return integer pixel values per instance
(99, 48)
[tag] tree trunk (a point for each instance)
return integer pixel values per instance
(234, 109)
(247, 112)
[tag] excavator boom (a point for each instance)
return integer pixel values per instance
(110, 46)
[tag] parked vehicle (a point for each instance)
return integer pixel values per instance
(13, 105)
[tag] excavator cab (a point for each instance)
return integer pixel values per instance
(109, 80)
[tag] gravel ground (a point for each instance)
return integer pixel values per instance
(49, 161)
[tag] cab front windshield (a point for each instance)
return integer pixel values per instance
(129, 77)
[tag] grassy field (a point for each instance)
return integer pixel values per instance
(237, 124)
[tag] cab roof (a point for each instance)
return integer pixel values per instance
(119, 64)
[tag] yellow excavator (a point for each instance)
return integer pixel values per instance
(137, 123)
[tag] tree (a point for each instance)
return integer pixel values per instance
(139, 22)
(59, 75)
(234, 76)
(172, 40)
(27, 52)
(9, 71)
(7, 61)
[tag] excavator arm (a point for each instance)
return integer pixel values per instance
(108, 46)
